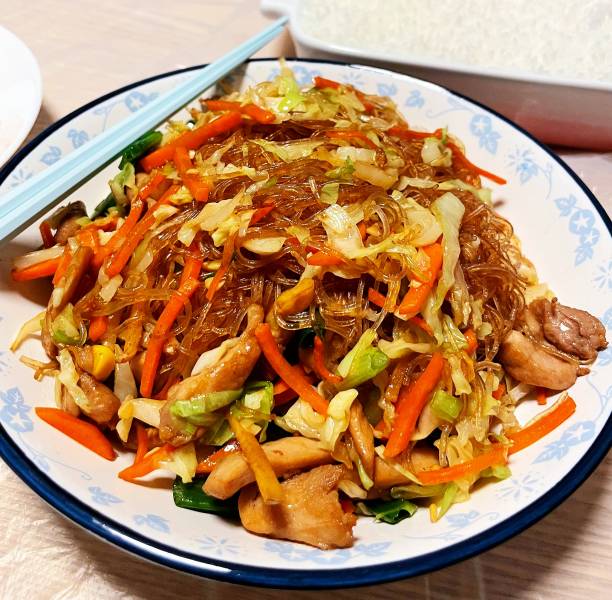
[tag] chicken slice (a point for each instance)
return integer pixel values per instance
(527, 362)
(285, 455)
(103, 404)
(310, 513)
(571, 330)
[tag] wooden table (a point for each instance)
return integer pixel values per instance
(89, 47)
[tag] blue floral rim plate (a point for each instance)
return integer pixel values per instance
(563, 229)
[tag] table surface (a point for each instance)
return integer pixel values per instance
(86, 49)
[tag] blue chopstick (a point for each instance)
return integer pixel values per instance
(22, 205)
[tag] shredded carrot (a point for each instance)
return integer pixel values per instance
(411, 401)
(381, 427)
(293, 377)
(348, 134)
(142, 440)
(261, 213)
(97, 327)
(472, 341)
(500, 391)
(84, 433)
(149, 463)
(210, 462)
(261, 115)
(319, 362)
(163, 393)
(422, 324)
(415, 297)
(173, 308)
(152, 185)
(265, 477)
(46, 234)
(543, 424)
(219, 276)
(88, 236)
(495, 456)
(362, 229)
(462, 159)
(375, 297)
(192, 139)
(63, 265)
(541, 396)
(325, 258)
(194, 183)
(322, 82)
(123, 255)
(45, 268)
(347, 505)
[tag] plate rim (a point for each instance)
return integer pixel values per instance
(126, 539)
(9, 151)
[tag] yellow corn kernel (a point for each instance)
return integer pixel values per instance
(296, 299)
(103, 362)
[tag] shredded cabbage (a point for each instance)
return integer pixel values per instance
(290, 151)
(126, 178)
(69, 377)
(182, 462)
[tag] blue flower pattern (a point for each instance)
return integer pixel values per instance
(221, 546)
(15, 413)
(482, 128)
(103, 498)
(518, 488)
(136, 100)
(581, 223)
(576, 434)
(415, 99)
(52, 155)
(154, 522)
(19, 176)
(78, 137)
(386, 89)
(297, 553)
(603, 279)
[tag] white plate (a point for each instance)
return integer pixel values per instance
(563, 230)
(20, 95)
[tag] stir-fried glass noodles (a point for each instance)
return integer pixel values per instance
(296, 295)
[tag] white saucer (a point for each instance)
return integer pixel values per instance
(21, 94)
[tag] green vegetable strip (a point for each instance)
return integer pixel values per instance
(140, 147)
(191, 496)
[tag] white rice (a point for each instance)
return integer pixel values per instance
(562, 38)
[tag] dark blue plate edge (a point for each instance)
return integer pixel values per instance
(131, 541)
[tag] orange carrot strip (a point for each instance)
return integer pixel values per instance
(210, 462)
(97, 327)
(84, 433)
(124, 253)
(410, 404)
(260, 214)
(130, 222)
(163, 325)
(472, 341)
(163, 393)
(325, 258)
(88, 236)
(379, 299)
(154, 182)
(499, 392)
(261, 115)
(293, 377)
(194, 183)
(415, 297)
(495, 456)
(143, 443)
(63, 265)
(422, 323)
(362, 229)
(542, 425)
(319, 363)
(45, 268)
(192, 139)
(343, 134)
(462, 159)
(149, 463)
(46, 234)
(541, 396)
(226, 259)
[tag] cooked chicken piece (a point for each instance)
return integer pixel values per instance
(68, 217)
(421, 458)
(67, 286)
(104, 404)
(529, 363)
(363, 436)
(231, 370)
(310, 513)
(569, 329)
(285, 455)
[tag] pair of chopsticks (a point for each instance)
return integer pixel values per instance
(24, 204)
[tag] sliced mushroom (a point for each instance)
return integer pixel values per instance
(310, 512)
(65, 221)
(285, 455)
(103, 404)
(363, 437)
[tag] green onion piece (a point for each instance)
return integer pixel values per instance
(104, 206)
(191, 496)
(66, 330)
(365, 366)
(498, 471)
(139, 147)
(389, 511)
(197, 410)
(445, 406)
(447, 500)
